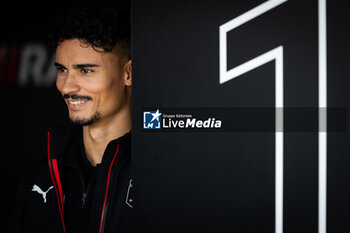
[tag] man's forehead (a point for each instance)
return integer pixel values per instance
(75, 46)
(76, 52)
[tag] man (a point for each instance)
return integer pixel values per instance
(85, 184)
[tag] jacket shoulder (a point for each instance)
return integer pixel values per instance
(38, 173)
(31, 211)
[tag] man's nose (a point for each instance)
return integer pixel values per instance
(70, 85)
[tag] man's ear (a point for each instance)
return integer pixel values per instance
(128, 73)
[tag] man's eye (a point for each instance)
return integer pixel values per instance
(61, 69)
(86, 71)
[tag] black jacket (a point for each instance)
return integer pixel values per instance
(40, 206)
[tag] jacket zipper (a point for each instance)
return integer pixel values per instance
(55, 176)
(85, 188)
(106, 200)
(54, 172)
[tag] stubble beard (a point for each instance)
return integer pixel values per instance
(86, 121)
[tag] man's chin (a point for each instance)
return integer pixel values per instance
(84, 121)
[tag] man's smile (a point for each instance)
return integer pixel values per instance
(76, 104)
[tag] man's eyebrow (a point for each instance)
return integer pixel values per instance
(79, 66)
(59, 65)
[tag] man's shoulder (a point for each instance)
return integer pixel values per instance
(37, 172)
(60, 137)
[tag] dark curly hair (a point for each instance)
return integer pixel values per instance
(101, 25)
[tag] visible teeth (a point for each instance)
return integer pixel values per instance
(76, 102)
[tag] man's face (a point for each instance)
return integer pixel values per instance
(92, 83)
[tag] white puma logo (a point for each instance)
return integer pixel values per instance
(36, 188)
(129, 199)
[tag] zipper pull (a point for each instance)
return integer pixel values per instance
(83, 199)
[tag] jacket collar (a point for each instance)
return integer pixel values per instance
(62, 136)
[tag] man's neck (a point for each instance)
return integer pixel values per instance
(97, 136)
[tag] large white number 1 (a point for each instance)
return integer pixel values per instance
(276, 55)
